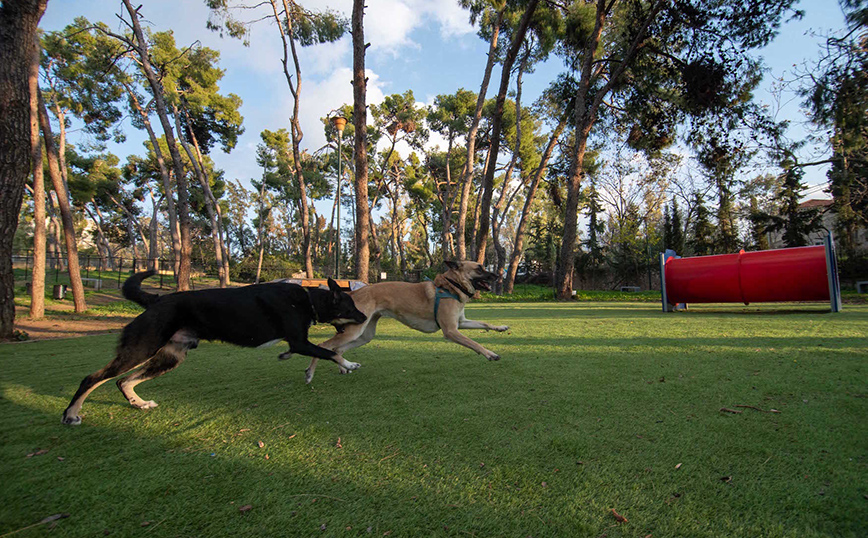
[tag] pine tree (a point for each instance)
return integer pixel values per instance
(702, 240)
(677, 229)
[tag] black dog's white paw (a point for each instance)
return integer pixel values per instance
(285, 355)
(71, 421)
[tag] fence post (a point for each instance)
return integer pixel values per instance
(120, 270)
(56, 272)
(26, 265)
(159, 270)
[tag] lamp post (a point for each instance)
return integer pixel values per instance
(339, 122)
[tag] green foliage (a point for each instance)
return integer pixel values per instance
(701, 242)
(837, 95)
(273, 267)
(79, 65)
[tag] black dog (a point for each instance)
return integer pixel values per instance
(159, 338)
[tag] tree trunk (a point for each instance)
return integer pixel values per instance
(288, 39)
(224, 249)
(374, 245)
(208, 197)
(153, 245)
(18, 25)
(108, 258)
(65, 209)
(167, 182)
(54, 233)
(162, 111)
(475, 230)
(585, 115)
(518, 243)
(260, 234)
(102, 247)
(488, 180)
(467, 176)
(360, 111)
(503, 205)
(37, 289)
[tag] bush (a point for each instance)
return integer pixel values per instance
(272, 269)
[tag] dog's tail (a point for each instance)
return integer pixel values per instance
(132, 289)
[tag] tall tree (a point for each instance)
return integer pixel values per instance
(677, 229)
(18, 25)
(683, 58)
(452, 117)
(203, 117)
(37, 289)
(701, 240)
(836, 92)
(360, 83)
(296, 25)
(793, 222)
(60, 189)
(490, 15)
(138, 44)
(488, 180)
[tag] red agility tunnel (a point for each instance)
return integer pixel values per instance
(789, 274)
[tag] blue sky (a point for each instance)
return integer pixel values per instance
(427, 46)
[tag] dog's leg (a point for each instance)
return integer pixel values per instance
(470, 324)
(312, 350)
(352, 337)
(166, 359)
(126, 360)
(450, 331)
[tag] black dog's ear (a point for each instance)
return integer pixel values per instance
(334, 287)
(451, 264)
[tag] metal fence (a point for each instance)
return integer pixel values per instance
(100, 272)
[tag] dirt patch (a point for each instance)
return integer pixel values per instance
(45, 329)
(62, 322)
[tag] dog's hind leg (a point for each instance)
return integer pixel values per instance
(126, 360)
(166, 359)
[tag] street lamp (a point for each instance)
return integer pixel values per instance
(339, 122)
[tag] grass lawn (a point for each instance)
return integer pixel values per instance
(595, 406)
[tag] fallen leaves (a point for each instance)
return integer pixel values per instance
(246, 508)
(38, 453)
(728, 410)
(618, 517)
(678, 467)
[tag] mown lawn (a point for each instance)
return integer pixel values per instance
(594, 407)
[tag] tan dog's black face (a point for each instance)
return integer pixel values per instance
(472, 273)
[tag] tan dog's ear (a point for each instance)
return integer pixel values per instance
(450, 264)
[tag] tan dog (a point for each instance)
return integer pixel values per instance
(414, 304)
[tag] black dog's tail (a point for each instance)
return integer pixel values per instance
(132, 289)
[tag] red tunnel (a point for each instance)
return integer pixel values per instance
(789, 274)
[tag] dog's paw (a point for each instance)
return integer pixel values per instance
(71, 421)
(501, 328)
(141, 404)
(493, 357)
(285, 355)
(308, 376)
(350, 366)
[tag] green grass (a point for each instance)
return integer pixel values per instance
(594, 406)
